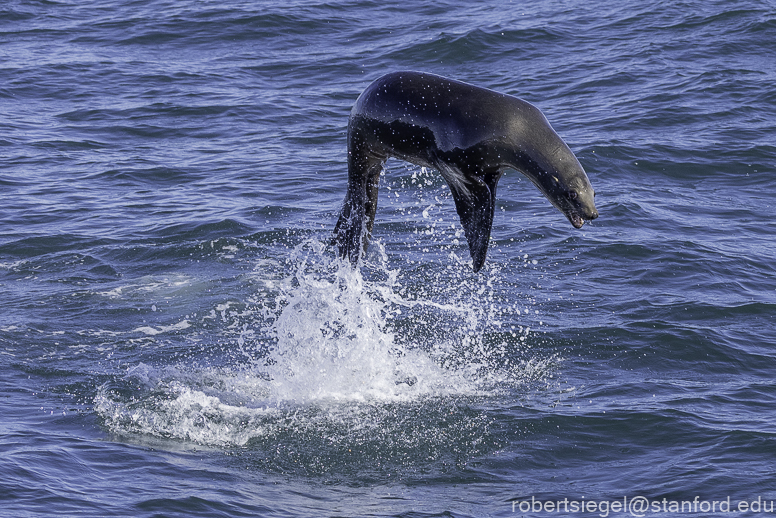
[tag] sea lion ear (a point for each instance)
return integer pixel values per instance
(475, 203)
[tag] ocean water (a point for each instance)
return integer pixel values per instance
(177, 340)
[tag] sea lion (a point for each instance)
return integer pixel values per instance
(470, 135)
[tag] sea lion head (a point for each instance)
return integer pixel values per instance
(541, 155)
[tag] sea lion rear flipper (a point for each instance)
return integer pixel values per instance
(349, 231)
(354, 226)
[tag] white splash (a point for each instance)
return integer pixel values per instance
(331, 337)
(334, 342)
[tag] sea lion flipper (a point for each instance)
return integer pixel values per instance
(349, 232)
(354, 226)
(475, 204)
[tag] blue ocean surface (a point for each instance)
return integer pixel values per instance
(177, 339)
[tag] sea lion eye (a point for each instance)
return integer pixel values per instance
(572, 195)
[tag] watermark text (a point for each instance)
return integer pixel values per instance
(640, 506)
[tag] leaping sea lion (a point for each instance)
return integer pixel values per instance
(470, 135)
